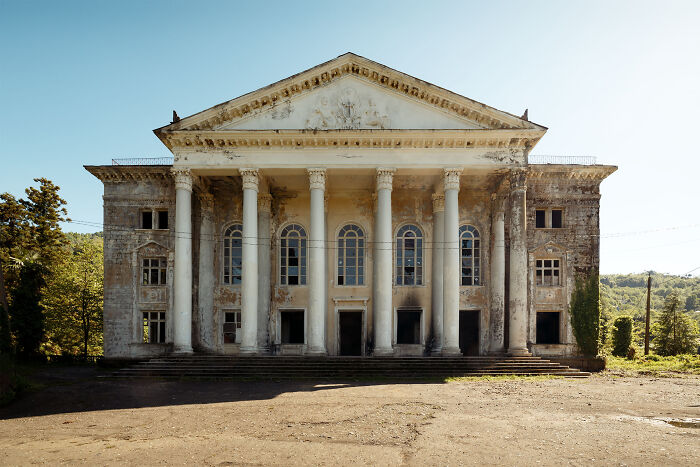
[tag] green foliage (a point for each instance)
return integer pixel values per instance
(674, 333)
(622, 336)
(655, 364)
(27, 317)
(584, 309)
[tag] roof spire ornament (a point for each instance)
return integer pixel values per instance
(524, 117)
(175, 117)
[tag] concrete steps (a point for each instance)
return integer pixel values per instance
(220, 367)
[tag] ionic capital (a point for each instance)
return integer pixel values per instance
(438, 202)
(518, 179)
(451, 178)
(317, 178)
(385, 178)
(250, 178)
(265, 202)
(183, 178)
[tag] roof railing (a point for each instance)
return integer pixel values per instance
(564, 160)
(143, 161)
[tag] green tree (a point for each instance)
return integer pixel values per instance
(73, 299)
(26, 313)
(45, 209)
(622, 336)
(584, 309)
(674, 332)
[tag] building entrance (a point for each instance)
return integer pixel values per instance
(469, 332)
(350, 332)
(292, 326)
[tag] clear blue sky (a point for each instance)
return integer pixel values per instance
(83, 82)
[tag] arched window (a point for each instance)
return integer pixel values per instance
(470, 251)
(409, 256)
(293, 255)
(351, 255)
(233, 254)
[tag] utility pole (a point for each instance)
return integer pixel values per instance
(646, 332)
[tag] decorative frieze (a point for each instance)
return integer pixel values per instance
(385, 178)
(451, 178)
(317, 178)
(182, 177)
(250, 178)
(438, 202)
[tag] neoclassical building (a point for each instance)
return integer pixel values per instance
(350, 209)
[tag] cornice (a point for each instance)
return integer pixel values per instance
(129, 173)
(595, 173)
(378, 139)
(363, 69)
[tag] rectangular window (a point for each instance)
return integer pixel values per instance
(556, 218)
(549, 218)
(540, 222)
(547, 272)
(154, 271)
(231, 327)
(548, 327)
(154, 327)
(162, 219)
(146, 219)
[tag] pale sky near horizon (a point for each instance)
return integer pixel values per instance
(82, 82)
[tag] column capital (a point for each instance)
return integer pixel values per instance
(317, 178)
(206, 200)
(250, 178)
(385, 178)
(265, 202)
(438, 202)
(518, 179)
(451, 178)
(182, 177)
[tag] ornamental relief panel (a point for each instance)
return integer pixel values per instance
(346, 110)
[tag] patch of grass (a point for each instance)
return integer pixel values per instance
(464, 379)
(655, 365)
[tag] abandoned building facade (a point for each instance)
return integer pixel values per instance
(348, 210)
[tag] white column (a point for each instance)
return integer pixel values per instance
(517, 304)
(249, 280)
(317, 263)
(383, 247)
(205, 288)
(497, 287)
(438, 257)
(451, 267)
(264, 268)
(182, 287)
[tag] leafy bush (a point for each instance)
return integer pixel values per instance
(622, 336)
(585, 314)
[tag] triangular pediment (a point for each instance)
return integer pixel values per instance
(350, 93)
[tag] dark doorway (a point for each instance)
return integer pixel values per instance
(469, 332)
(408, 326)
(292, 322)
(548, 327)
(350, 332)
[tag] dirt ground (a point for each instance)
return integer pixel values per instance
(601, 420)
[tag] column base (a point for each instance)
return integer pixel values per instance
(182, 349)
(384, 352)
(522, 352)
(248, 351)
(436, 352)
(451, 352)
(316, 352)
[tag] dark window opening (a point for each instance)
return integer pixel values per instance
(469, 332)
(154, 327)
(556, 218)
(146, 220)
(408, 327)
(232, 324)
(540, 215)
(350, 332)
(292, 323)
(162, 219)
(548, 327)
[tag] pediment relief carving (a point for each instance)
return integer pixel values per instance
(152, 248)
(346, 110)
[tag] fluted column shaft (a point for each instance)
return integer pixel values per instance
(249, 279)
(316, 338)
(383, 286)
(517, 334)
(451, 267)
(182, 287)
(498, 277)
(438, 257)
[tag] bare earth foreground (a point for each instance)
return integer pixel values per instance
(602, 420)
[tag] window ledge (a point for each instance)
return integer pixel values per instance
(151, 230)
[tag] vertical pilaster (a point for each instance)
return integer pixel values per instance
(383, 247)
(517, 334)
(497, 287)
(249, 280)
(264, 270)
(438, 261)
(182, 287)
(317, 333)
(451, 267)
(206, 271)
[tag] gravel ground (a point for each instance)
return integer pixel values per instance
(604, 419)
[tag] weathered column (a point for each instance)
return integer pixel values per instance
(438, 256)
(451, 267)
(517, 304)
(182, 287)
(264, 267)
(316, 339)
(249, 279)
(497, 287)
(206, 271)
(383, 246)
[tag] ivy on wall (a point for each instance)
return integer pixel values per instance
(585, 313)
